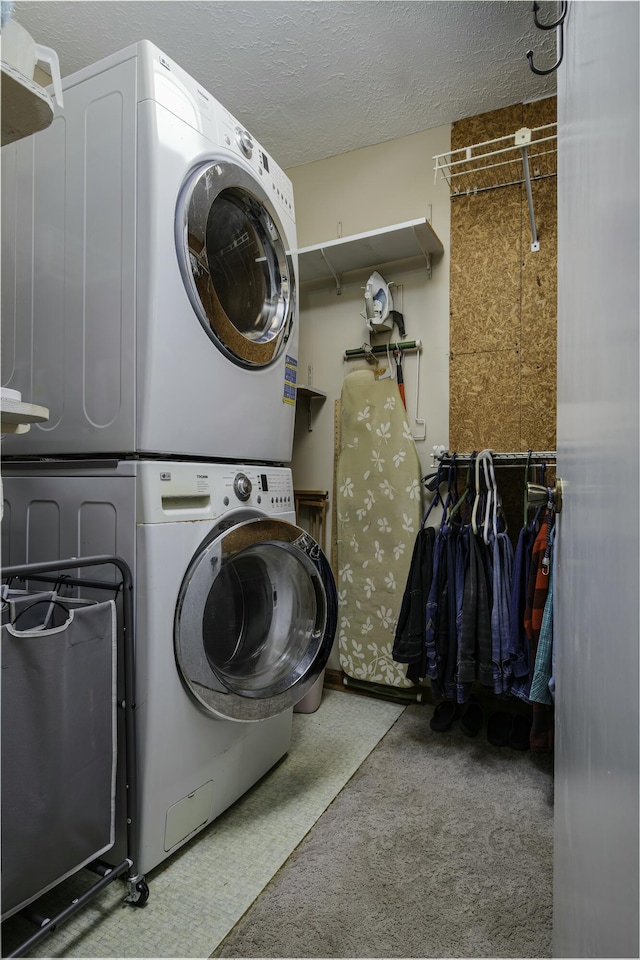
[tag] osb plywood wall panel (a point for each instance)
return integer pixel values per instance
(503, 303)
(485, 389)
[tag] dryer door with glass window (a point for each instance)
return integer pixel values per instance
(233, 258)
(255, 619)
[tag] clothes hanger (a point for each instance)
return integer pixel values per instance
(436, 498)
(476, 503)
(468, 490)
(526, 483)
(451, 496)
(492, 495)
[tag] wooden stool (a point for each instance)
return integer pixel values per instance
(315, 501)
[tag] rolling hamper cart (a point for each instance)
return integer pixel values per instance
(60, 738)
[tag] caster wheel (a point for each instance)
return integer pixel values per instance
(139, 897)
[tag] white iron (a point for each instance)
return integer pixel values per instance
(378, 304)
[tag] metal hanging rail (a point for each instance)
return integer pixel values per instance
(526, 155)
(535, 494)
(521, 459)
(365, 350)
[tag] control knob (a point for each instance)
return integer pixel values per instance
(242, 486)
(244, 141)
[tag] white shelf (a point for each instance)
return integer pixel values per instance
(502, 162)
(401, 241)
(522, 157)
(311, 394)
(16, 416)
(26, 107)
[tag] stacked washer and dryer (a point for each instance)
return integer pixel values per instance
(149, 300)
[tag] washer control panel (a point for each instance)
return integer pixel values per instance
(173, 490)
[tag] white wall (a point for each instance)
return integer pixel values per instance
(369, 188)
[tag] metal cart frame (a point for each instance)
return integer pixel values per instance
(138, 891)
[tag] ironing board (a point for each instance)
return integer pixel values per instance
(379, 509)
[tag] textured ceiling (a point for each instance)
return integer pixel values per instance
(315, 78)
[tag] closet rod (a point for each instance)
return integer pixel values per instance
(382, 348)
(500, 459)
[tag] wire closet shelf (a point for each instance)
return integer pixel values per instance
(529, 154)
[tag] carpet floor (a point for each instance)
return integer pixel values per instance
(198, 894)
(440, 845)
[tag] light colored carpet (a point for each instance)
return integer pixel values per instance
(439, 846)
(198, 895)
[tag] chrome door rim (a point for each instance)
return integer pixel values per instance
(203, 187)
(213, 695)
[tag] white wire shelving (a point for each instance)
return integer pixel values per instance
(527, 155)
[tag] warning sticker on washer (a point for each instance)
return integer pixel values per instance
(290, 376)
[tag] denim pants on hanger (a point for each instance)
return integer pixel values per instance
(474, 650)
(500, 620)
(433, 603)
(518, 670)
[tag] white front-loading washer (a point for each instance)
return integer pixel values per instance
(149, 295)
(235, 615)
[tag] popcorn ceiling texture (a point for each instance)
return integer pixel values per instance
(315, 79)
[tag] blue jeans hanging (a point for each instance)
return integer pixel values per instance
(502, 551)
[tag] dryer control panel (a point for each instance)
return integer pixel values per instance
(274, 180)
(163, 80)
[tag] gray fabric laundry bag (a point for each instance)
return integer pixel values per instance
(58, 733)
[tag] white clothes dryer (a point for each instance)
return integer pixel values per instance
(235, 616)
(149, 295)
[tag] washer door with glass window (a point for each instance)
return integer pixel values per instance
(234, 263)
(255, 619)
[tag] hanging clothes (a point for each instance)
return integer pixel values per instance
(451, 533)
(409, 646)
(542, 671)
(537, 592)
(502, 569)
(439, 632)
(475, 650)
(517, 675)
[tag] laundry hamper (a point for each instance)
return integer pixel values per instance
(58, 740)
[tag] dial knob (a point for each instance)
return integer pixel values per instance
(244, 141)
(242, 486)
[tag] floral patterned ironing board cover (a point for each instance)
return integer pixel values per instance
(379, 510)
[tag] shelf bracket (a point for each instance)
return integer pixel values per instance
(336, 276)
(425, 253)
(523, 139)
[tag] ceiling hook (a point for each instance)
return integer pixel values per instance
(550, 26)
(560, 31)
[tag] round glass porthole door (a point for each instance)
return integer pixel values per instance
(234, 263)
(255, 619)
